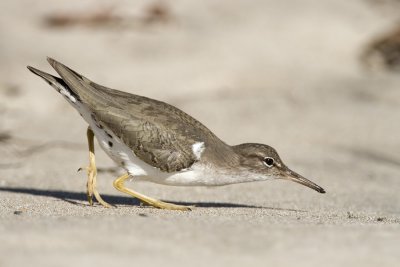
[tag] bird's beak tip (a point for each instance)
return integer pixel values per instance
(295, 177)
(322, 191)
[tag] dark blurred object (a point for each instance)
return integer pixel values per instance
(389, 7)
(153, 14)
(4, 137)
(10, 90)
(157, 12)
(383, 2)
(384, 52)
(102, 17)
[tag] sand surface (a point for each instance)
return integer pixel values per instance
(284, 73)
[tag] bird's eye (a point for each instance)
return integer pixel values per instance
(269, 162)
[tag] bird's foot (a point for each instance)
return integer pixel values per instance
(119, 185)
(91, 189)
(165, 205)
(169, 206)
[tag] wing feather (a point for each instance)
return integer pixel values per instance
(156, 146)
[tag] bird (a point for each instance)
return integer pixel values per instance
(157, 142)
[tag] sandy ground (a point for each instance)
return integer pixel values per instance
(284, 73)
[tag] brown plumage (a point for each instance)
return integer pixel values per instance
(159, 134)
(164, 137)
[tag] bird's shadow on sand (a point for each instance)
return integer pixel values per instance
(77, 197)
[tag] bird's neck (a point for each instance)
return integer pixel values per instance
(221, 156)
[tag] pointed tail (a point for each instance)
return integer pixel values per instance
(77, 83)
(56, 83)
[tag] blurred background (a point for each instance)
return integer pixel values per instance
(317, 80)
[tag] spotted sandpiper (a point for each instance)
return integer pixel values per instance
(157, 142)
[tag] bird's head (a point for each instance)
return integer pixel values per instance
(264, 161)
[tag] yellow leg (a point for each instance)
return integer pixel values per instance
(119, 185)
(92, 173)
